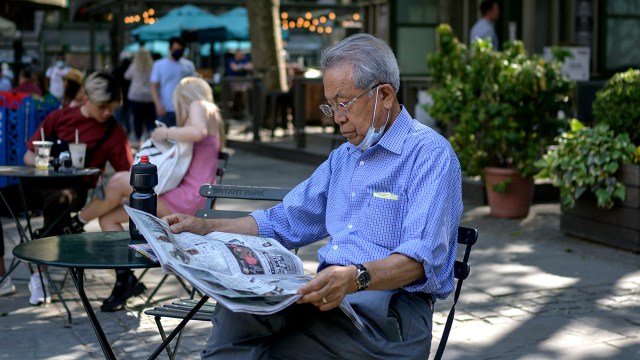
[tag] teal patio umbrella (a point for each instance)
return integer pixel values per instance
(231, 25)
(173, 23)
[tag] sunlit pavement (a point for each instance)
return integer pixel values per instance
(533, 293)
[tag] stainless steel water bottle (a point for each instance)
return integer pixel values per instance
(144, 177)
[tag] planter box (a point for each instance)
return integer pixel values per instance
(619, 226)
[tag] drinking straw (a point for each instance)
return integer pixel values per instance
(76, 136)
(42, 133)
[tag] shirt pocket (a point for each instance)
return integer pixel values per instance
(385, 211)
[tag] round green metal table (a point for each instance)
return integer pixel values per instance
(77, 252)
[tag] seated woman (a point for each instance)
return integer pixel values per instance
(199, 122)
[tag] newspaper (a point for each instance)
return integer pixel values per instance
(244, 273)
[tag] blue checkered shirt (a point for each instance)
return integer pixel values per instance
(402, 195)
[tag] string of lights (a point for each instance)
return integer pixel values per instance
(147, 17)
(321, 24)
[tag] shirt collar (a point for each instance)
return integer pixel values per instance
(395, 136)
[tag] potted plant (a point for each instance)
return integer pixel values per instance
(596, 168)
(499, 110)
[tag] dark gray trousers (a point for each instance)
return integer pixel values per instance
(397, 326)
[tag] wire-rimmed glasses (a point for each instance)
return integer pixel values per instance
(330, 109)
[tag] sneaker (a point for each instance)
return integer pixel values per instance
(37, 294)
(121, 292)
(6, 287)
(75, 226)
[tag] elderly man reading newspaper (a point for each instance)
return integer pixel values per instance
(389, 200)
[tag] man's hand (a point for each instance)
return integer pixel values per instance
(329, 287)
(29, 158)
(160, 111)
(181, 222)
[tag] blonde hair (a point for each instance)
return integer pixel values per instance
(143, 60)
(101, 88)
(192, 89)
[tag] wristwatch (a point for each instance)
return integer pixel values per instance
(363, 277)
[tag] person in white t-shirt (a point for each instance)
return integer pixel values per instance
(165, 76)
(55, 77)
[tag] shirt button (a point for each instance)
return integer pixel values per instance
(335, 247)
(353, 194)
(361, 163)
(350, 226)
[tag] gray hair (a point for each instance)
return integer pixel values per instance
(101, 88)
(372, 59)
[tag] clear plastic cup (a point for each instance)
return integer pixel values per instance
(42, 150)
(78, 152)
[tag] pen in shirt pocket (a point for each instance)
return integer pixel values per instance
(385, 195)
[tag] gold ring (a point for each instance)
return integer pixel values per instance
(324, 300)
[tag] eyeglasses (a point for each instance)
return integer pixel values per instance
(331, 109)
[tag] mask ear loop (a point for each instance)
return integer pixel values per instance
(375, 107)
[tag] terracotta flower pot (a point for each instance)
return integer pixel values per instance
(513, 203)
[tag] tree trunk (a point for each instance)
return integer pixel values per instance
(266, 42)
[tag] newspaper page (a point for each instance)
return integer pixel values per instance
(244, 273)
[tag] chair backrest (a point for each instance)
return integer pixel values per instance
(216, 191)
(461, 270)
(223, 159)
(468, 238)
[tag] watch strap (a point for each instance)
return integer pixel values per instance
(362, 269)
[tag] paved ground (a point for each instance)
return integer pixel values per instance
(533, 293)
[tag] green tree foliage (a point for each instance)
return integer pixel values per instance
(617, 104)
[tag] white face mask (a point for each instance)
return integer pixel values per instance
(372, 136)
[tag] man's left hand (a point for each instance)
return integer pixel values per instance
(329, 287)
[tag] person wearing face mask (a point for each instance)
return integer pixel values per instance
(55, 77)
(165, 76)
(389, 201)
